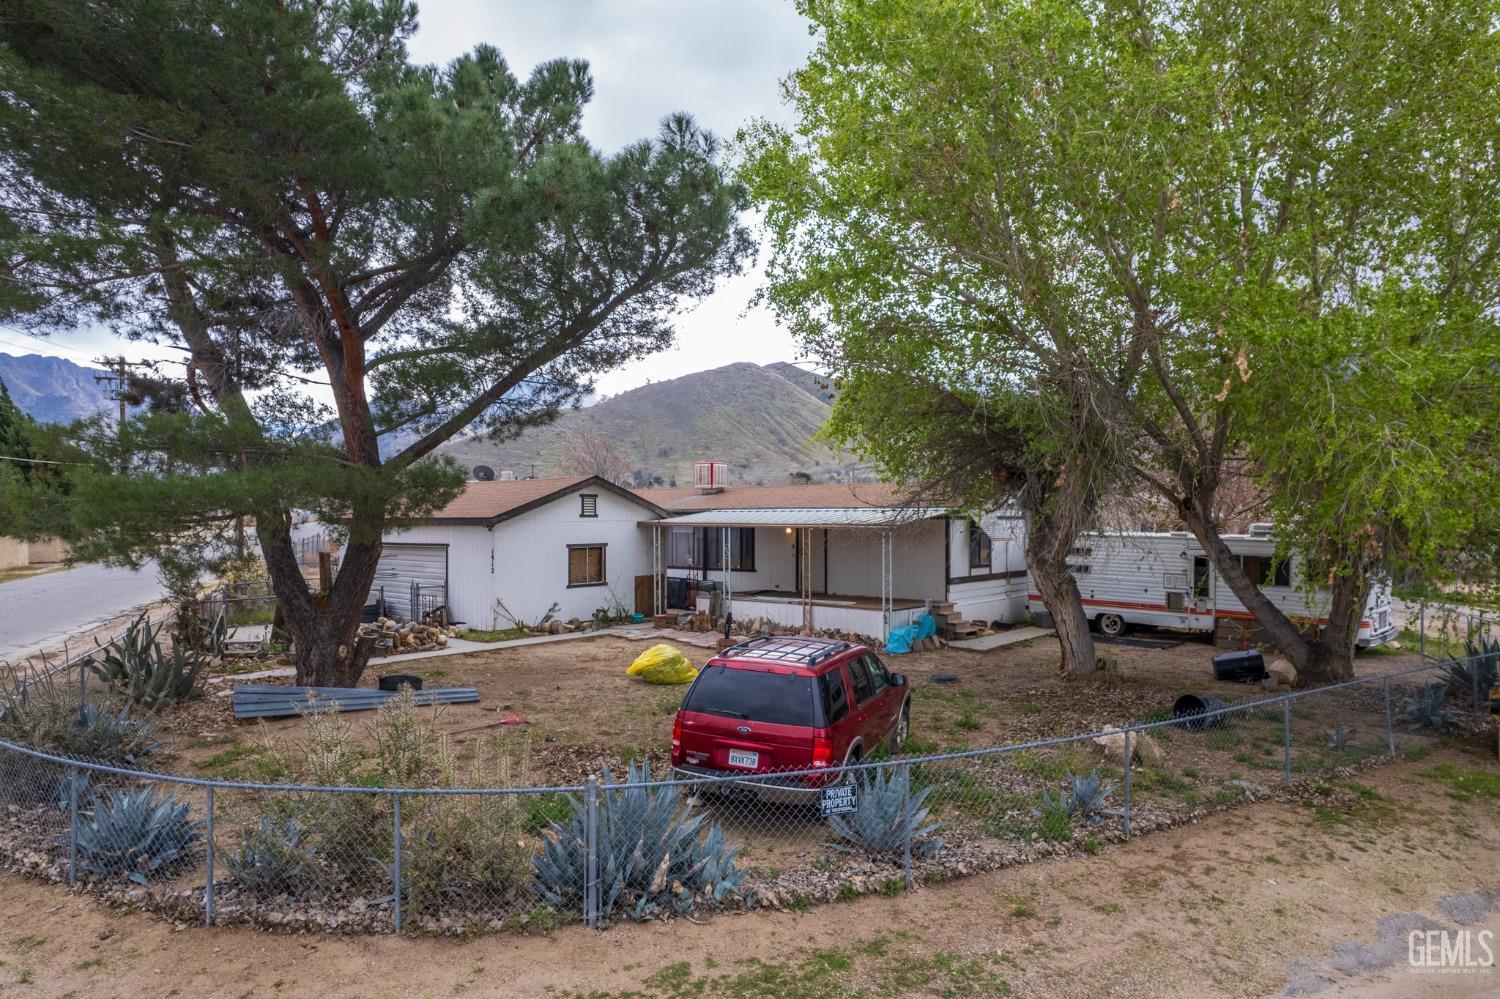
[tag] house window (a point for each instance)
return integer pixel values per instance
(703, 548)
(979, 547)
(585, 565)
(588, 505)
(1266, 571)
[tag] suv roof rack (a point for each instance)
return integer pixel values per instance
(801, 650)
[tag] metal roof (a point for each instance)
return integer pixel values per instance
(863, 516)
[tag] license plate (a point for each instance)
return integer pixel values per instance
(744, 758)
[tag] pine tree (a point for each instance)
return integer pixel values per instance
(278, 190)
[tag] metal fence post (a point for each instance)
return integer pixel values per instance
(72, 825)
(1422, 630)
(906, 822)
(1125, 790)
(208, 853)
(1286, 740)
(591, 852)
(1390, 727)
(1474, 681)
(396, 853)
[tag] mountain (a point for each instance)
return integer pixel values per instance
(815, 382)
(761, 420)
(52, 389)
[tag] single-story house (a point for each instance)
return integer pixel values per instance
(852, 557)
(848, 557)
(506, 551)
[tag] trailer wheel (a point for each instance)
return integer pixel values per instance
(1111, 625)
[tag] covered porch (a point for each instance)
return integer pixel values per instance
(859, 571)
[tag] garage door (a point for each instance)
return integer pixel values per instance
(412, 578)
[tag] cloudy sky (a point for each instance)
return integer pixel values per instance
(720, 60)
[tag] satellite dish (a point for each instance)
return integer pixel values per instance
(483, 473)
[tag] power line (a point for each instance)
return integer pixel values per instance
(41, 461)
(41, 339)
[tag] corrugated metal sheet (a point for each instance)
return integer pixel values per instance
(869, 516)
(278, 701)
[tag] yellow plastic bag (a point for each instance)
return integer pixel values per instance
(663, 664)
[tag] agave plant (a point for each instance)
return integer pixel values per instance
(650, 854)
(1089, 796)
(1477, 672)
(272, 858)
(136, 834)
(887, 815)
(136, 664)
(1339, 737)
(1054, 816)
(1430, 710)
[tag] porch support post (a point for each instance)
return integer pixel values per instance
(724, 535)
(887, 557)
(657, 582)
(807, 576)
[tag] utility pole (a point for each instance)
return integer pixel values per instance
(117, 377)
(114, 378)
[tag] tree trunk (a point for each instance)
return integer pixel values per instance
(1059, 591)
(324, 626)
(1321, 655)
(1052, 528)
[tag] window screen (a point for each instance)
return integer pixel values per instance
(1265, 571)
(585, 565)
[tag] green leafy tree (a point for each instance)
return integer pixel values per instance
(1225, 234)
(279, 191)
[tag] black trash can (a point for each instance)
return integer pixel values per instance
(1190, 708)
(396, 681)
(1240, 667)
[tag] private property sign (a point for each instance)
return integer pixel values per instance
(838, 799)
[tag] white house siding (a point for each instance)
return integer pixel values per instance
(850, 620)
(916, 568)
(531, 557)
(468, 568)
(523, 562)
(996, 593)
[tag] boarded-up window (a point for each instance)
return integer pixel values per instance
(589, 504)
(585, 565)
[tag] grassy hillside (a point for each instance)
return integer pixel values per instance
(755, 418)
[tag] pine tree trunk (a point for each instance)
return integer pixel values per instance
(326, 649)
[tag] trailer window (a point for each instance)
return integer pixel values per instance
(1263, 570)
(979, 546)
(1200, 577)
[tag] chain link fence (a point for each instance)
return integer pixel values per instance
(620, 846)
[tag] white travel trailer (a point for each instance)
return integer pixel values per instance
(1166, 581)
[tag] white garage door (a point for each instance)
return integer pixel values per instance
(412, 578)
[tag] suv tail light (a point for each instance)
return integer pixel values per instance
(677, 740)
(822, 756)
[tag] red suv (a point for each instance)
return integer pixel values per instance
(778, 704)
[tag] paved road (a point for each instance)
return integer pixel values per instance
(38, 612)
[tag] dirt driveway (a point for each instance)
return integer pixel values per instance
(1246, 903)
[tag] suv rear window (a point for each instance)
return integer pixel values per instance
(774, 698)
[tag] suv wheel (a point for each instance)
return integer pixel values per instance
(1112, 625)
(903, 729)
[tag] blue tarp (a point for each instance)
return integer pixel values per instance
(901, 639)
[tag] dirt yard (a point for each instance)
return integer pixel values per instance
(580, 708)
(1290, 896)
